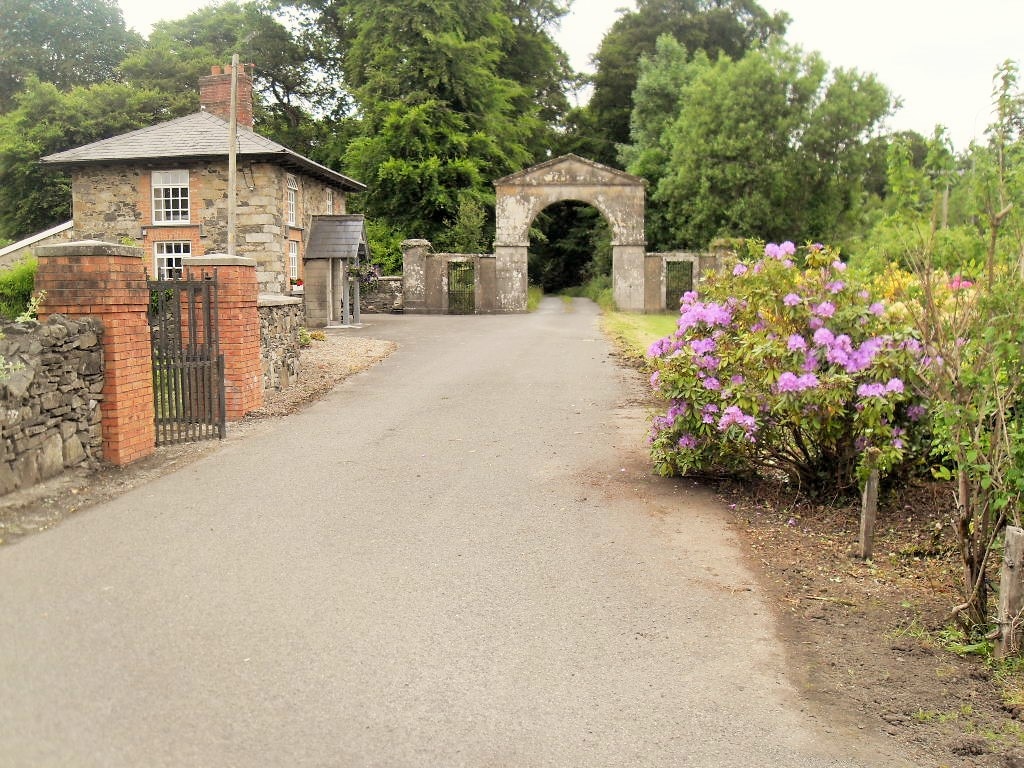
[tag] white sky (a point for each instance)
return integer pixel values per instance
(937, 55)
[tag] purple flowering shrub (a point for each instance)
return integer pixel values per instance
(784, 368)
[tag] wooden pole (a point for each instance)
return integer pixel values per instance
(232, 155)
(1011, 594)
(346, 309)
(868, 512)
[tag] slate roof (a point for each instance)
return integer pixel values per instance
(196, 136)
(341, 236)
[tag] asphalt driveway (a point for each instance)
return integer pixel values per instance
(456, 559)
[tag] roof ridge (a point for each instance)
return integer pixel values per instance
(199, 134)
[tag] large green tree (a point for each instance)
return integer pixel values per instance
(44, 120)
(774, 145)
(717, 27)
(449, 96)
(294, 92)
(64, 42)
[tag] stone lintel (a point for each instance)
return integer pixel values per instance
(217, 260)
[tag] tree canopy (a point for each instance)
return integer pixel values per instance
(45, 119)
(772, 145)
(64, 42)
(449, 96)
(428, 101)
(717, 27)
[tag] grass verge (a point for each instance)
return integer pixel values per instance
(633, 333)
(534, 293)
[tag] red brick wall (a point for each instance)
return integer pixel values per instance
(239, 328)
(215, 93)
(109, 282)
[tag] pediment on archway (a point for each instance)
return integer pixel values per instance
(570, 170)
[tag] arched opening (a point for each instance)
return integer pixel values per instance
(570, 246)
(618, 195)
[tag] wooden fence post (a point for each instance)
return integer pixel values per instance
(868, 511)
(1011, 594)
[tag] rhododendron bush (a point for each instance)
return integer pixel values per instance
(787, 365)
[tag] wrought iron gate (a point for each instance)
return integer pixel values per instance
(461, 284)
(678, 280)
(188, 368)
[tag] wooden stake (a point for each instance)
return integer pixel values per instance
(868, 512)
(1011, 594)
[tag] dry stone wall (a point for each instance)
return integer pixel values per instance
(280, 320)
(382, 295)
(50, 417)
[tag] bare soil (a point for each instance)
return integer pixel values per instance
(872, 641)
(868, 642)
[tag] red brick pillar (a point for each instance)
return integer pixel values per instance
(238, 322)
(108, 282)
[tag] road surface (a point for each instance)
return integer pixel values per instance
(458, 558)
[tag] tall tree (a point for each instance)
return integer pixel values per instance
(293, 91)
(773, 145)
(717, 27)
(64, 42)
(443, 108)
(532, 59)
(45, 120)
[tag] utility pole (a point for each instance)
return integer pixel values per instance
(232, 155)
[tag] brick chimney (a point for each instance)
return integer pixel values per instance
(215, 93)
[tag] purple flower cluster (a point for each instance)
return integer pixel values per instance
(780, 251)
(687, 442)
(796, 343)
(708, 413)
(733, 415)
(677, 409)
(839, 350)
(916, 412)
(825, 309)
(877, 389)
(711, 314)
(703, 346)
(665, 347)
(790, 382)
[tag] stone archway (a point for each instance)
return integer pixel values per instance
(617, 195)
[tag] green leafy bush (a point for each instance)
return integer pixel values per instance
(779, 368)
(16, 286)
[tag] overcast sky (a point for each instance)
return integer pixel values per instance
(938, 56)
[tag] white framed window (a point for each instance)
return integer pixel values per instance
(170, 197)
(293, 200)
(167, 258)
(330, 202)
(293, 259)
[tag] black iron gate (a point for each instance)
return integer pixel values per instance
(188, 368)
(461, 283)
(678, 280)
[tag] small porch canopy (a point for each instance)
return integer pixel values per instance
(336, 247)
